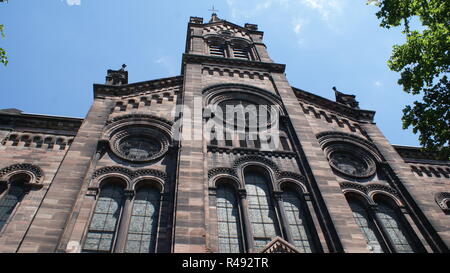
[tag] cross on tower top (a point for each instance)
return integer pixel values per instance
(213, 10)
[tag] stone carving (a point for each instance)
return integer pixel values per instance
(443, 200)
(348, 100)
(279, 245)
(129, 173)
(36, 173)
(139, 144)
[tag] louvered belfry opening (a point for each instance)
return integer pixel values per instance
(240, 52)
(216, 49)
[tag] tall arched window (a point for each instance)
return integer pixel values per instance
(229, 228)
(9, 200)
(143, 226)
(383, 226)
(297, 220)
(105, 220)
(261, 209)
(395, 228)
(367, 225)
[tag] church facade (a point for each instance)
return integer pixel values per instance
(226, 157)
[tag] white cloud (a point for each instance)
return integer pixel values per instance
(264, 5)
(324, 10)
(297, 28)
(297, 25)
(73, 2)
(324, 7)
(377, 83)
(167, 63)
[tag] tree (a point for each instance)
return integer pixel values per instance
(3, 58)
(424, 65)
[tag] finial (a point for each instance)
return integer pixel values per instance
(213, 10)
(214, 17)
(117, 77)
(346, 99)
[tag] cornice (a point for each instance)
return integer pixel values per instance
(418, 155)
(202, 59)
(65, 124)
(225, 22)
(102, 90)
(343, 110)
(251, 151)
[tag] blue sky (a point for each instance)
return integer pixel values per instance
(58, 48)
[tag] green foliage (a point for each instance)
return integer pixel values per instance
(3, 58)
(424, 65)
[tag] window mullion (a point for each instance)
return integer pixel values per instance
(247, 227)
(124, 220)
(386, 241)
(284, 224)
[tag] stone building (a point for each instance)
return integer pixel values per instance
(158, 166)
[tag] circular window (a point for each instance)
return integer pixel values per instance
(139, 147)
(348, 163)
(139, 144)
(351, 161)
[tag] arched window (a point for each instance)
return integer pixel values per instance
(143, 226)
(12, 195)
(367, 226)
(229, 228)
(384, 227)
(105, 220)
(262, 212)
(395, 228)
(297, 220)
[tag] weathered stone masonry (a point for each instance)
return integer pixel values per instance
(127, 178)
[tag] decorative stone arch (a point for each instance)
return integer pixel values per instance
(342, 144)
(216, 174)
(151, 181)
(227, 180)
(443, 199)
(120, 128)
(369, 191)
(296, 185)
(375, 190)
(219, 92)
(357, 190)
(268, 165)
(129, 176)
(329, 137)
(113, 179)
(35, 173)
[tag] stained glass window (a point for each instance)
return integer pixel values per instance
(261, 210)
(103, 226)
(9, 201)
(295, 215)
(230, 238)
(394, 228)
(367, 227)
(144, 221)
